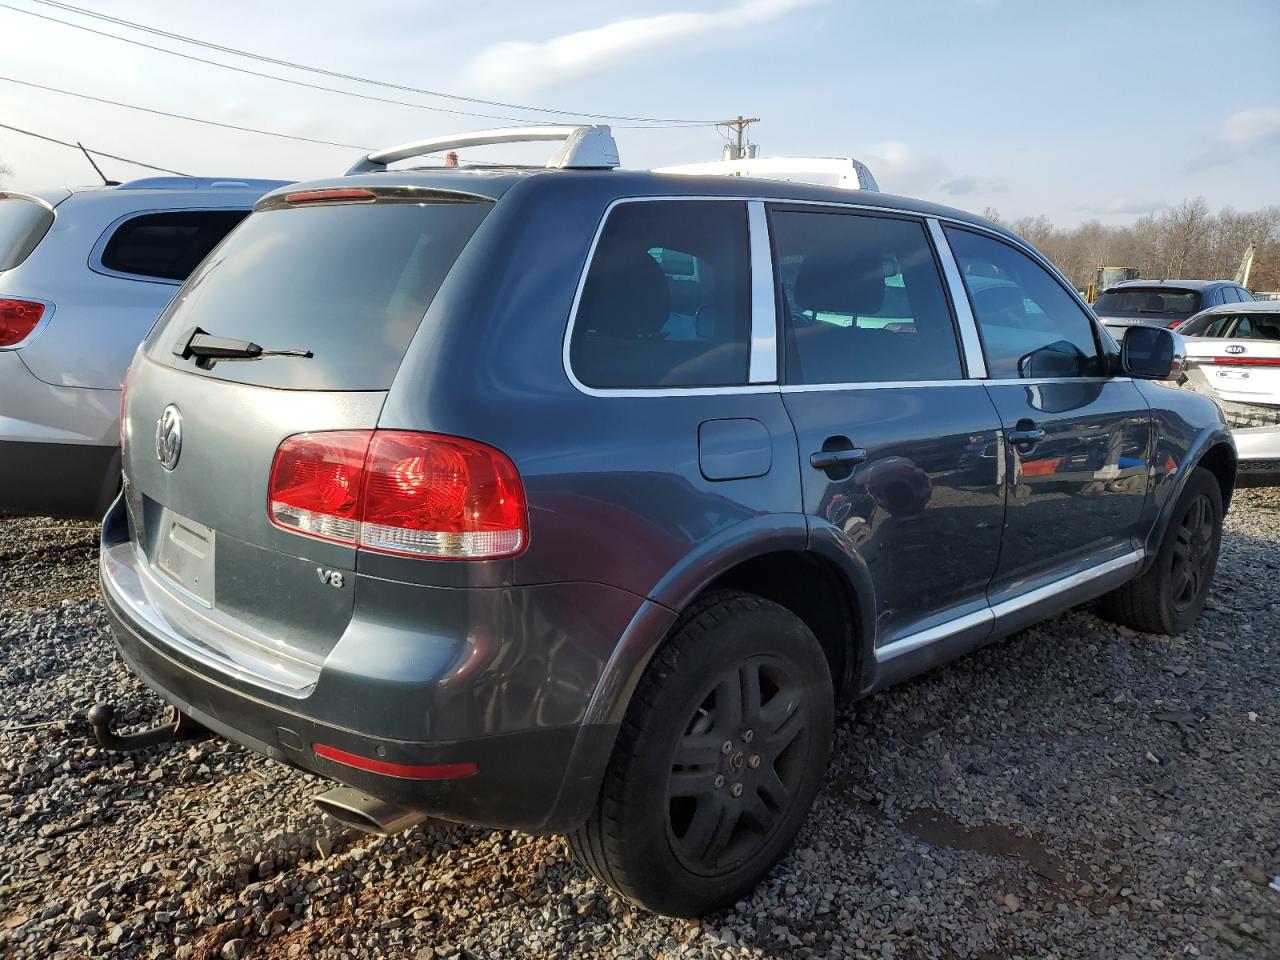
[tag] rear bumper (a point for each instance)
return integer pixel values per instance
(531, 775)
(77, 480)
(1258, 449)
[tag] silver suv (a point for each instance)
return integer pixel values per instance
(83, 275)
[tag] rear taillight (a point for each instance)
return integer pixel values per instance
(17, 319)
(1246, 361)
(1175, 324)
(400, 492)
(315, 484)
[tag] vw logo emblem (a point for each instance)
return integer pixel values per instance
(1235, 348)
(169, 437)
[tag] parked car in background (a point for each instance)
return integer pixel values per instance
(83, 275)
(572, 499)
(1233, 353)
(1163, 303)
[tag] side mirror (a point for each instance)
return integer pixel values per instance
(1152, 353)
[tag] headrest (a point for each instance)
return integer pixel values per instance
(840, 282)
(626, 296)
(1000, 298)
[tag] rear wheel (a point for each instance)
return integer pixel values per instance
(1170, 596)
(717, 763)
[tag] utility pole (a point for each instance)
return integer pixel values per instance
(739, 127)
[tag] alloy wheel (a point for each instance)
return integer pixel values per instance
(1192, 552)
(736, 767)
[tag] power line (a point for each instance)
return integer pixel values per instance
(155, 31)
(101, 153)
(648, 125)
(182, 116)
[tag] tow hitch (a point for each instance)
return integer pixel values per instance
(178, 726)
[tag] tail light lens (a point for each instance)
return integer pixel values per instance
(400, 492)
(1175, 324)
(17, 319)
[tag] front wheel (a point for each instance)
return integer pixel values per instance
(1170, 596)
(718, 760)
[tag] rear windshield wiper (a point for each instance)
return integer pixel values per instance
(208, 349)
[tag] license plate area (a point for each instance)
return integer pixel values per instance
(184, 555)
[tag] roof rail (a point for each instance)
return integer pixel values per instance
(200, 183)
(843, 172)
(585, 147)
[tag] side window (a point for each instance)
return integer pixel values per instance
(167, 246)
(1243, 295)
(1228, 295)
(1030, 325)
(1217, 327)
(667, 299)
(863, 300)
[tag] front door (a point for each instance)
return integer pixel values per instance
(898, 450)
(1076, 441)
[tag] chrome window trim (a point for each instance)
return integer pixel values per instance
(753, 241)
(1031, 381)
(925, 216)
(975, 359)
(993, 614)
(763, 365)
(877, 385)
(38, 329)
(100, 246)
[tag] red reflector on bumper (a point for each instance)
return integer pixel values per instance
(406, 771)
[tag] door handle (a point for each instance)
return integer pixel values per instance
(826, 459)
(1025, 436)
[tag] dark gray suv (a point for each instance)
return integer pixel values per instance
(574, 500)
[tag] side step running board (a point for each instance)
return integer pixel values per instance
(363, 812)
(179, 726)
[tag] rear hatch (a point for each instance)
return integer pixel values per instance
(1156, 305)
(1239, 355)
(345, 278)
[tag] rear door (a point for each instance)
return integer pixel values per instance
(1077, 440)
(898, 450)
(348, 282)
(1239, 355)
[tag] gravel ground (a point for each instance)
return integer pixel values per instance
(1077, 791)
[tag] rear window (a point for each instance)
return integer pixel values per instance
(1146, 301)
(666, 301)
(167, 246)
(1244, 326)
(348, 282)
(23, 224)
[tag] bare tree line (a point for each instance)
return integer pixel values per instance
(1183, 242)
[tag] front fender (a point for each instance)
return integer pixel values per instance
(1187, 426)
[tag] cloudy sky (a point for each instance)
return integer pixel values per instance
(1075, 109)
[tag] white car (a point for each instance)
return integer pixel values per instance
(1233, 352)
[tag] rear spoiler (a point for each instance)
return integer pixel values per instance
(585, 147)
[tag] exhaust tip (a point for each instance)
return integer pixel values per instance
(365, 813)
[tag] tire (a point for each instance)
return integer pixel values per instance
(1170, 596)
(687, 839)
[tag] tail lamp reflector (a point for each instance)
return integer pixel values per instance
(400, 492)
(1246, 361)
(17, 319)
(406, 771)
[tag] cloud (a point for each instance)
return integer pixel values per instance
(968, 183)
(1249, 129)
(900, 169)
(1124, 205)
(519, 65)
(1243, 132)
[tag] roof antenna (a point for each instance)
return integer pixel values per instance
(105, 181)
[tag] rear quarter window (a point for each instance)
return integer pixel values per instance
(166, 246)
(666, 300)
(23, 224)
(349, 282)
